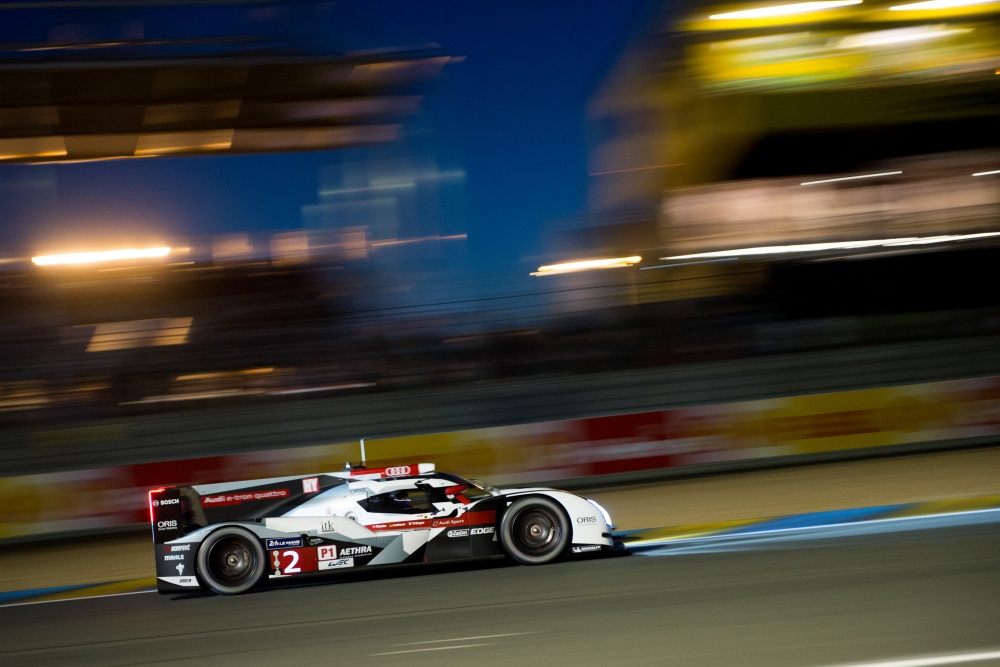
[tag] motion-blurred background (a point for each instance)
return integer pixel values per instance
(529, 242)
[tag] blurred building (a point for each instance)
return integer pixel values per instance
(748, 136)
(716, 118)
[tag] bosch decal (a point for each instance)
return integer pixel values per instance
(167, 501)
(283, 542)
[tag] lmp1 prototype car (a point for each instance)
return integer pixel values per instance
(230, 537)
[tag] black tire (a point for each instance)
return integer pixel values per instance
(231, 561)
(535, 531)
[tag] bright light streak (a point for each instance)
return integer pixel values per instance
(587, 265)
(846, 245)
(938, 4)
(988, 173)
(784, 10)
(899, 36)
(622, 171)
(852, 178)
(100, 256)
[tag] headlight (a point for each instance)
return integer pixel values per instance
(604, 512)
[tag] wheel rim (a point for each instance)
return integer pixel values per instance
(536, 531)
(232, 562)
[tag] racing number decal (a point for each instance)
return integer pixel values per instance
(291, 567)
(293, 561)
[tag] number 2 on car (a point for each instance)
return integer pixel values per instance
(293, 561)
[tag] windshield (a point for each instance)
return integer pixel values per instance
(477, 489)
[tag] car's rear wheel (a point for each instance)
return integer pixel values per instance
(231, 561)
(535, 531)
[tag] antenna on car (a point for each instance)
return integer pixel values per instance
(358, 466)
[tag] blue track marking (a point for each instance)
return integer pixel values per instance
(17, 596)
(834, 517)
(766, 532)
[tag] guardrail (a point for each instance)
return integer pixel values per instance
(762, 431)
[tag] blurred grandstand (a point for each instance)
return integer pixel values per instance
(725, 170)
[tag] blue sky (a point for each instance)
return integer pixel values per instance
(515, 123)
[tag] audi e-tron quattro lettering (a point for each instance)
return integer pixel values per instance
(230, 537)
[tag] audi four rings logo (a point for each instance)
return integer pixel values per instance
(398, 470)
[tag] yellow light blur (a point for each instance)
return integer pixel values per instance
(100, 256)
(784, 10)
(587, 265)
(899, 36)
(938, 4)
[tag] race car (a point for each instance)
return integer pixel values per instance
(230, 537)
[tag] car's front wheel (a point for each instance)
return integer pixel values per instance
(535, 531)
(231, 561)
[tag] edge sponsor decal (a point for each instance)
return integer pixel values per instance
(237, 498)
(283, 542)
(486, 530)
(338, 563)
(586, 548)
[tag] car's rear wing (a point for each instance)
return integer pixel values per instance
(175, 511)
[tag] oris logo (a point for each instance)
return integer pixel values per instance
(167, 525)
(586, 519)
(397, 470)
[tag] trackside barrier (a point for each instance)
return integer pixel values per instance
(709, 435)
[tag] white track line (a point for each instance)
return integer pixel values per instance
(466, 639)
(436, 648)
(929, 661)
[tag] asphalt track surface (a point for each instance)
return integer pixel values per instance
(896, 592)
(915, 595)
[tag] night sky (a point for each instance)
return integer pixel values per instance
(512, 118)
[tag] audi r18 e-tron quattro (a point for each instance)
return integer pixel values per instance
(230, 537)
